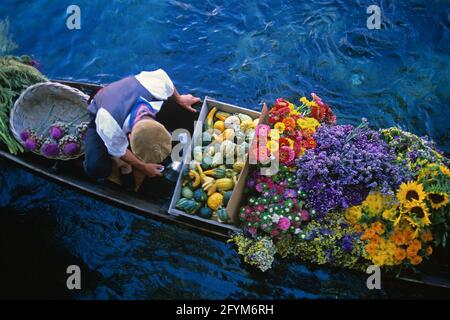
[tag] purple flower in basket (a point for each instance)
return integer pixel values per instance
(58, 130)
(26, 133)
(33, 142)
(69, 145)
(50, 148)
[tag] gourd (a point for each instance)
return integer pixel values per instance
(224, 184)
(206, 138)
(238, 166)
(200, 195)
(222, 116)
(205, 213)
(222, 215)
(210, 119)
(242, 149)
(215, 201)
(217, 159)
(228, 134)
(187, 205)
(195, 176)
(243, 117)
(219, 125)
(206, 163)
(209, 184)
(187, 193)
(216, 173)
(227, 197)
(193, 164)
(246, 125)
(198, 153)
(232, 122)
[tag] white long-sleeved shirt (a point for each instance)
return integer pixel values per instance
(113, 134)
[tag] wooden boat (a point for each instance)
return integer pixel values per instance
(75, 179)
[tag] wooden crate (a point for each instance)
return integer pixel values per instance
(233, 204)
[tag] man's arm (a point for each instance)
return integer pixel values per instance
(150, 169)
(185, 100)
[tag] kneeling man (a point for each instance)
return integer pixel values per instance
(135, 110)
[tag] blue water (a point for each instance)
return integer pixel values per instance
(240, 52)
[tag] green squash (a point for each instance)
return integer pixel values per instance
(187, 193)
(200, 195)
(205, 213)
(227, 197)
(206, 162)
(188, 206)
(206, 138)
(222, 215)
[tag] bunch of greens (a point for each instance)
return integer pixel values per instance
(16, 74)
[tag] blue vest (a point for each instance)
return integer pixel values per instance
(119, 97)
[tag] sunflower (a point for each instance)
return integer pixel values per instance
(429, 251)
(438, 199)
(418, 210)
(410, 191)
(445, 170)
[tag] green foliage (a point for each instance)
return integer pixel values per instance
(16, 74)
(258, 252)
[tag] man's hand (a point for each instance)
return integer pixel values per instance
(187, 100)
(152, 170)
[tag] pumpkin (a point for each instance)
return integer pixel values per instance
(215, 201)
(222, 215)
(200, 195)
(205, 213)
(187, 193)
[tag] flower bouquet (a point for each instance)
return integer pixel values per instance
(343, 195)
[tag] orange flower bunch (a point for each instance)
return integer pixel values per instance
(389, 243)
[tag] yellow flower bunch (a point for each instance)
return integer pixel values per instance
(391, 233)
(308, 123)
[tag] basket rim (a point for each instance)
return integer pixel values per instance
(24, 94)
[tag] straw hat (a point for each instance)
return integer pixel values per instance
(151, 143)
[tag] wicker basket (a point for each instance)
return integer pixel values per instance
(43, 104)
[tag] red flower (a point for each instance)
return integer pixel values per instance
(289, 124)
(298, 148)
(284, 142)
(321, 111)
(286, 155)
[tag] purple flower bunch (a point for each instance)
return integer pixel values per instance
(345, 166)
